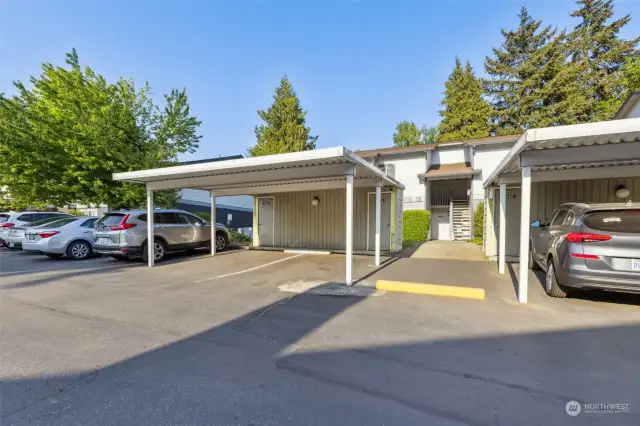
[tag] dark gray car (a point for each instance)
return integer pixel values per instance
(123, 234)
(588, 246)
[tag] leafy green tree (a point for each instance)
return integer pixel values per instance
(630, 80)
(627, 81)
(63, 137)
(430, 134)
(466, 113)
(285, 127)
(530, 83)
(407, 134)
(600, 54)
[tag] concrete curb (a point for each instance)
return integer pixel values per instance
(431, 289)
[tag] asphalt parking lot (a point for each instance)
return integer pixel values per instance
(197, 340)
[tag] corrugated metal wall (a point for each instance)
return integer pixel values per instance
(299, 224)
(547, 196)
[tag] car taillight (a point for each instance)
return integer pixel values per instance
(582, 237)
(584, 256)
(7, 225)
(47, 234)
(122, 225)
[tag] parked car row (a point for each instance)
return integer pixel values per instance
(120, 234)
(588, 246)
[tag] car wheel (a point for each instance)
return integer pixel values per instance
(79, 250)
(533, 265)
(159, 251)
(551, 285)
(221, 241)
(53, 255)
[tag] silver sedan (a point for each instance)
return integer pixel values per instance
(71, 236)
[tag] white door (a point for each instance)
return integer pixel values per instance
(440, 229)
(265, 221)
(385, 221)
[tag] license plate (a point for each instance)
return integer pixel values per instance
(31, 237)
(11, 245)
(103, 241)
(635, 265)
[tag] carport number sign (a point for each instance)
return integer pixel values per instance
(511, 196)
(635, 265)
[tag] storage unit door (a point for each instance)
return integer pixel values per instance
(440, 225)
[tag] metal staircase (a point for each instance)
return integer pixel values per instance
(461, 220)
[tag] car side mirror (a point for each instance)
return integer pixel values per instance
(536, 224)
(199, 224)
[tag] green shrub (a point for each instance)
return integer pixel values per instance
(415, 225)
(238, 238)
(478, 222)
(204, 216)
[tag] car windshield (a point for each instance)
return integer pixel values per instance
(60, 222)
(625, 221)
(111, 219)
(44, 221)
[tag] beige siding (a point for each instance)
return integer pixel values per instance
(299, 224)
(547, 196)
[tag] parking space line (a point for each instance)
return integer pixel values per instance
(250, 269)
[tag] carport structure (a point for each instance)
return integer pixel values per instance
(593, 160)
(321, 169)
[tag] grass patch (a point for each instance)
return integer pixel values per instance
(475, 240)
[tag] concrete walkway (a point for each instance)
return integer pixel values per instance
(448, 250)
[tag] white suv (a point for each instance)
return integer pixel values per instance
(123, 234)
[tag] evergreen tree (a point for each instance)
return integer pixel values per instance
(531, 84)
(284, 129)
(599, 53)
(466, 114)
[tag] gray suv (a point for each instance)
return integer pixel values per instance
(588, 246)
(123, 234)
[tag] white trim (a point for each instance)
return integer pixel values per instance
(525, 216)
(183, 176)
(574, 174)
(377, 230)
(368, 224)
(151, 258)
(213, 223)
(502, 249)
(273, 220)
(349, 231)
(554, 137)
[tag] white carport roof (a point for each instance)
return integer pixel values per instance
(581, 151)
(298, 171)
(607, 149)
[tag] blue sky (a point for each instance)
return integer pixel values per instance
(359, 67)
